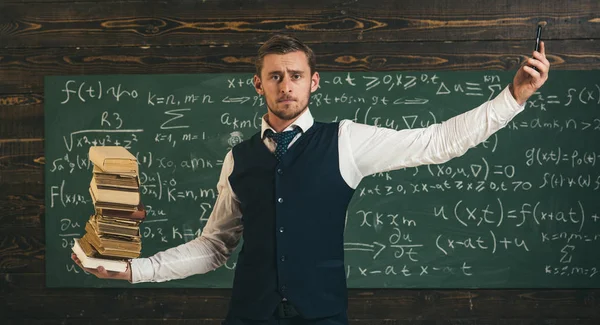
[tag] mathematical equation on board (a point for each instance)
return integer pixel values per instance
(174, 124)
(402, 245)
(178, 122)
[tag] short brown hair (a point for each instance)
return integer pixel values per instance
(282, 44)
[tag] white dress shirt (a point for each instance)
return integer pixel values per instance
(363, 151)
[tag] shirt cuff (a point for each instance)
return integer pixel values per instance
(506, 106)
(141, 270)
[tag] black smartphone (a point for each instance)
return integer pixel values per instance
(538, 37)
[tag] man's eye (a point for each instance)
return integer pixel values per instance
(275, 77)
(297, 76)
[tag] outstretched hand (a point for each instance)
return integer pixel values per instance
(102, 273)
(528, 80)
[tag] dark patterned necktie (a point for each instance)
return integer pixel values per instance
(282, 139)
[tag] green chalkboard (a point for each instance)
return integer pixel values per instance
(519, 210)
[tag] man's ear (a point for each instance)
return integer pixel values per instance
(314, 82)
(258, 85)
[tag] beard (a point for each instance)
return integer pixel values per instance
(287, 111)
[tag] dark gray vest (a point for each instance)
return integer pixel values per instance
(293, 216)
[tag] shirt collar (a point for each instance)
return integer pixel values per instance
(305, 121)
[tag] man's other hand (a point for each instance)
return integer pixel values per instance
(102, 273)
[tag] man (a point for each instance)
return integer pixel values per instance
(296, 177)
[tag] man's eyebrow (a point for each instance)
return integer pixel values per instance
(290, 71)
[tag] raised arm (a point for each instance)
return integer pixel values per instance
(375, 149)
(366, 149)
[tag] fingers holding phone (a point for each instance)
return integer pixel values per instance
(534, 71)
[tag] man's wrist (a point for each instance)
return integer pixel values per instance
(511, 88)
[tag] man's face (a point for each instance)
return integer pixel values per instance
(286, 83)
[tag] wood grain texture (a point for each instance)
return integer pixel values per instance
(21, 117)
(457, 321)
(21, 162)
(22, 70)
(219, 22)
(22, 250)
(27, 290)
(120, 321)
(22, 208)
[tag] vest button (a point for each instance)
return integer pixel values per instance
(280, 171)
(280, 200)
(282, 258)
(281, 229)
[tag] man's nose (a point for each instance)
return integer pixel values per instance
(286, 86)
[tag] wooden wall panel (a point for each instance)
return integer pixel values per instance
(60, 37)
(156, 23)
(24, 291)
(23, 69)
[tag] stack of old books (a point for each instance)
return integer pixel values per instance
(113, 232)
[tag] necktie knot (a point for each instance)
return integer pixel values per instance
(283, 140)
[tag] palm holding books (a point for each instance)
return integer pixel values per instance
(103, 273)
